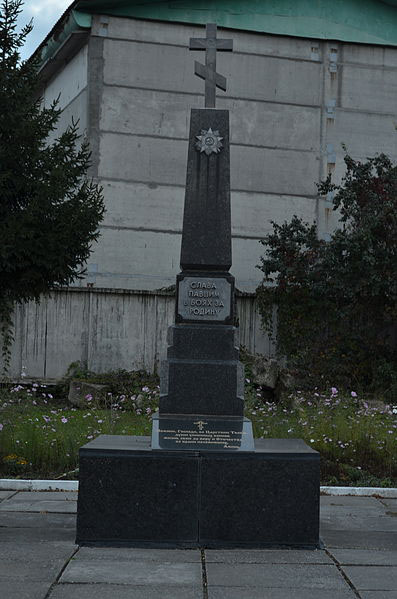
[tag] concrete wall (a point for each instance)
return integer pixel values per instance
(292, 101)
(70, 85)
(107, 330)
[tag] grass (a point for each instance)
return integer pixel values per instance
(41, 433)
(357, 442)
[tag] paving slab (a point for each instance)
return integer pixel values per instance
(37, 535)
(292, 593)
(32, 520)
(267, 556)
(357, 521)
(373, 578)
(57, 507)
(29, 496)
(345, 510)
(349, 501)
(36, 552)
(293, 576)
(138, 572)
(127, 554)
(6, 494)
(378, 594)
(23, 570)
(365, 557)
(111, 591)
(360, 539)
(24, 590)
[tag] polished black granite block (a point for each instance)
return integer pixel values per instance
(202, 433)
(281, 508)
(204, 342)
(213, 387)
(130, 494)
(206, 239)
(202, 374)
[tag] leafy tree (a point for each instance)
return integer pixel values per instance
(49, 210)
(336, 301)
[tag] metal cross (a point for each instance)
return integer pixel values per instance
(208, 72)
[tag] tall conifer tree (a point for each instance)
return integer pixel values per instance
(49, 210)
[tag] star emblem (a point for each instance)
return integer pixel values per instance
(209, 141)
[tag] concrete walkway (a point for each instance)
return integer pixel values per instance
(38, 558)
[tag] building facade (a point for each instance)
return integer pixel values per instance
(304, 78)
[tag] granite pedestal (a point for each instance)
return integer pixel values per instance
(131, 494)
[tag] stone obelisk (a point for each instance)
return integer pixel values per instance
(202, 375)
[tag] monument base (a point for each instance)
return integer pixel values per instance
(131, 495)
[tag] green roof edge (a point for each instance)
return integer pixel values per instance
(356, 21)
(75, 21)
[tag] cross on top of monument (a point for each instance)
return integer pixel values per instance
(208, 72)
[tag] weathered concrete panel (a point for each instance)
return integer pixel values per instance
(51, 335)
(155, 66)
(252, 169)
(132, 205)
(129, 331)
(136, 259)
(273, 171)
(252, 212)
(165, 114)
(107, 330)
(134, 111)
(179, 34)
(364, 134)
(150, 260)
(69, 82)
(246, 255)
(370, 55)
(369, 89)
(139, 159)
(76, 111)
(251, 334)
(135, 204)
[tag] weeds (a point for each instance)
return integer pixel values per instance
(41, 433)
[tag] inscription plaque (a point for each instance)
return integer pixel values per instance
(202, 433)
(201, 298)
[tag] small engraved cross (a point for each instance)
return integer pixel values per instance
(200, 425)
(208, 72)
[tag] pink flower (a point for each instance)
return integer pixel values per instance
(334, 390)
(353, 394)
(64, 420)
(145, 389)
(88, 397)
(1, 427)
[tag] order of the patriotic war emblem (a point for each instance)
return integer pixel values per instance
(209, 142)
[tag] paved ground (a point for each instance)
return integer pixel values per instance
(38, 558)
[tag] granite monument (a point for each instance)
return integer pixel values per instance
(201, 480)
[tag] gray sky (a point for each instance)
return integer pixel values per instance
(45, 14)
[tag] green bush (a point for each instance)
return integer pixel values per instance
(336, 300)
